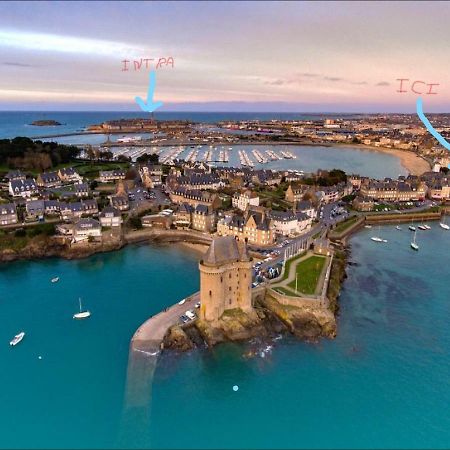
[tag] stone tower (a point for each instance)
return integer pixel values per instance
(225, 278)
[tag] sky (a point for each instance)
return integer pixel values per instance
(227, 56)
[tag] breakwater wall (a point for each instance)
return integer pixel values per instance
(339, 235)
(401, 218)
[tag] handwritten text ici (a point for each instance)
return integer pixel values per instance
(146, 63)
(415, 86)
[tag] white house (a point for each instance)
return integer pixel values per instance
(23, 188)
(284, 223)
(306, 207)
(242, 200)
(110, 217)
(8, 214)
(287, 223)
(85, 228)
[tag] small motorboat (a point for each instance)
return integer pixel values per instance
(367, 226)
(17, 338)
(378, 239)
(82, 314)
(444, 226)
(412, 228)
(422, 227)
(398, 227)
(427, 227)
(55, 280)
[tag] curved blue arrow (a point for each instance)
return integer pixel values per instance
(427, 123)
(150, 106)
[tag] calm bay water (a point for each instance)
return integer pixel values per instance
(309, 158)
(383, 382)
(17, 123)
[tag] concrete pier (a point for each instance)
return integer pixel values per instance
(145, 348)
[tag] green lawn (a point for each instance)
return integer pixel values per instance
(287, 266)
(345, 224)
(308, 272)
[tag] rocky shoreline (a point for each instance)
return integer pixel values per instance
(51, 247)
(271, 319)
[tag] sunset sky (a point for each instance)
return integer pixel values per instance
(229, 56)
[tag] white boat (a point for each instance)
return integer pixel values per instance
(398, 227)
(82, 314)
(412, 228)
(367, 226)
(55, 280)
(414, 246)
(17, 338)
(377, 238)
(422, 227)
(444, 226)
(427, 227)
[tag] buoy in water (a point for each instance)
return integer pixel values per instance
(39, 357)
(235, 388)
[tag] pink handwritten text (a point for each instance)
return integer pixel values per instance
(147, 63)
(417, 87)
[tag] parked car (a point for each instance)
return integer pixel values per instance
(190, 314)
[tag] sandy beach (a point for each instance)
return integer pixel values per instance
(413, 163)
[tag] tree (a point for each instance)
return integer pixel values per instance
(135, 222)
(123, 158)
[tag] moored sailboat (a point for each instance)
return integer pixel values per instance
(82, 314)
(414, 245)
(443, 225)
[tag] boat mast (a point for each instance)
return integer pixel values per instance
(79, 299)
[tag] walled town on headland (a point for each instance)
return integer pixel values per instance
(275, 237)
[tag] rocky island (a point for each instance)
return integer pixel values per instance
(228, 308)
(45, 123)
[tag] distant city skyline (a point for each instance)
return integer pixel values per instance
(228, 56)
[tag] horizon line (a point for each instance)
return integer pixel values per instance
(206, 111)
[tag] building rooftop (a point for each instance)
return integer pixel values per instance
(224, 250)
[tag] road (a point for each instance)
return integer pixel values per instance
(293, 243)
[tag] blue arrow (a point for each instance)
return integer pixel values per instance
(427, 123)
(150, 106)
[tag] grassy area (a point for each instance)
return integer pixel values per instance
(345, 224)
(308, 274)
(20, 238)
(86, 169)
(287, 266)
(91, 170)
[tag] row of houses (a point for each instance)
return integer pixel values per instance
(324, 194)
(261, 226)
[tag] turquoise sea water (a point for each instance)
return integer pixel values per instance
(383, 382)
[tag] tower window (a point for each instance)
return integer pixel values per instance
(210, 293)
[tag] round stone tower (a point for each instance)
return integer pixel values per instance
(225, 278)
